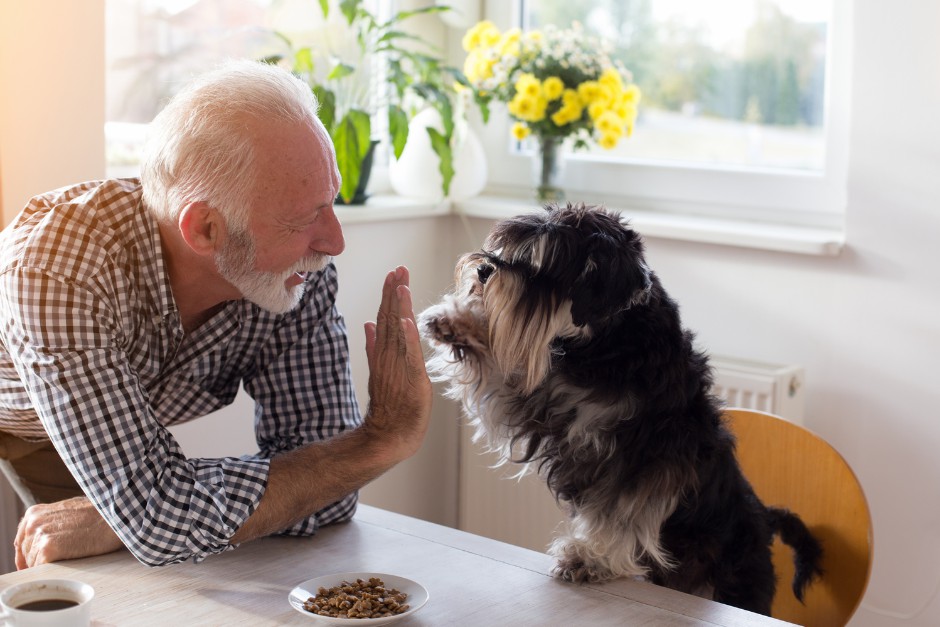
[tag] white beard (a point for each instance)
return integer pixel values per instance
(236, 261)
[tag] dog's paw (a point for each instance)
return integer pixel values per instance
(570, 570)
(438, 327)
(576, 570)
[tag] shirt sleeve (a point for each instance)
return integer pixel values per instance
(69, 350)
(302, 386)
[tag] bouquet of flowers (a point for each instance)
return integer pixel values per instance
(556, 83)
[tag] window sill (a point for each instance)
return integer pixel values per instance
(387, 207)
(788, 238)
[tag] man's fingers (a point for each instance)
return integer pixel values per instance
(22, 542)
(405, 304)
(393, 313)
(370, 343)
(392, 308)
(414, 354)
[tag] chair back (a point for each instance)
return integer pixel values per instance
(791, 467)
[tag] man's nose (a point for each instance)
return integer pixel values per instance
(329, 240)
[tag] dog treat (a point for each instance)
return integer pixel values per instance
(358, 599)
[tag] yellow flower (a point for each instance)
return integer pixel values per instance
(571, 108)
(611, 78)
(538, 112)
(511, 65)
(477, 67)
(552, 88)
(607, 94)
(490, 37)
(564, 116)
(528, 108)
(609, 123)
(481, 33)
(596, 109)
(632, 95)
(571, 99)
(509, 44)
(588, 91)
(625, 111)
(608, 141)
(528, 86)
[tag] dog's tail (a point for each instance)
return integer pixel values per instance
(807, 550)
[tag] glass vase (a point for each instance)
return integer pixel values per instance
(548, 166)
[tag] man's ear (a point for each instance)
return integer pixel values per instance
(201, 227)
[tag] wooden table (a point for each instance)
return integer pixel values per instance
(472, 581)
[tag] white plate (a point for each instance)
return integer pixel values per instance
(417, 596)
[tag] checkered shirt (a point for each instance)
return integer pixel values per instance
(93, 356)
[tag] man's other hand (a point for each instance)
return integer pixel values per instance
(50, 532)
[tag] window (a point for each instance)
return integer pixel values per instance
(153, 46)
(744, 110)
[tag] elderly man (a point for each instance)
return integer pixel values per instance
(127, 306)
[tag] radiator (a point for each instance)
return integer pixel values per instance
(522, 512)
(773, 388)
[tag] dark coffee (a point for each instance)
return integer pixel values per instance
(47, 605)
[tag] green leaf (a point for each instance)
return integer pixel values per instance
(441, 146)
(351, 142)
(457, 76)
(272, 59)
(363, 125)
(483, 103)
(325, 7)
(327, 110)
(284, 38)
(397, 128)
(440, 101)
(404, 15)
(303, 60)
(349, 8)
(397, 34)
(447, 115)
(340, 70)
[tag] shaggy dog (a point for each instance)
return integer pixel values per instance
(568, 356)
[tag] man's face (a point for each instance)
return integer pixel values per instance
(292, 227)
(277, 292)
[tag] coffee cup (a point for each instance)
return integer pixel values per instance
(47, 603)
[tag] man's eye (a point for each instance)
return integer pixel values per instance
(484, 271)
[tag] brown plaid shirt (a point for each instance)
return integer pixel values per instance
(93, 356)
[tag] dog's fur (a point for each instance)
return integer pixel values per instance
(568, 356)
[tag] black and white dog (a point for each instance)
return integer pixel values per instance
(569, 356)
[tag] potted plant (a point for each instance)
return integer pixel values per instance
(342, 80)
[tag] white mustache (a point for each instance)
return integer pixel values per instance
(309, 264)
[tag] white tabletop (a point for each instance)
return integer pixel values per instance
(471, 580)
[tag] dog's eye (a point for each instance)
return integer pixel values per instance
(484, 271)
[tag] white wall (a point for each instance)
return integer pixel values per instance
(864, 324)
(51, 97)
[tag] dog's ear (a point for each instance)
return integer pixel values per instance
(614, 277)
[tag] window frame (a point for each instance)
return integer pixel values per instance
(785, 197)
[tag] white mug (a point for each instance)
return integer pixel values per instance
(47, 603)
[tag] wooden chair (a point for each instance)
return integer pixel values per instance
(791, 467)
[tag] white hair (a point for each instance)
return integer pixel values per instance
(200, 147)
